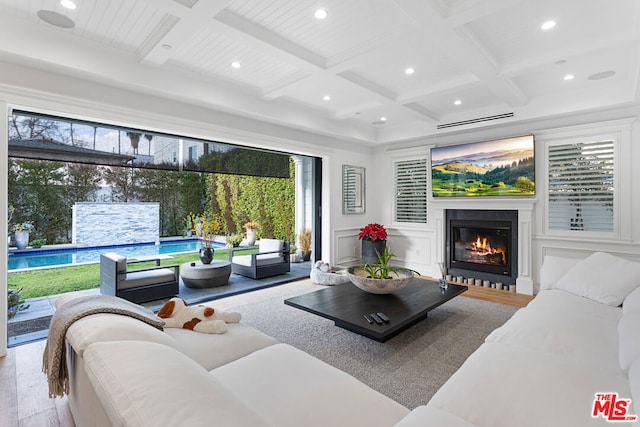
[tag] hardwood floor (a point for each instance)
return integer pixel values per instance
(24, 399)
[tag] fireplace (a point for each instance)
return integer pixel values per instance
(482, 244)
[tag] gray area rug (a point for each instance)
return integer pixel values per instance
(408, 368)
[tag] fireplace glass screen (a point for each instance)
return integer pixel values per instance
(481, 248)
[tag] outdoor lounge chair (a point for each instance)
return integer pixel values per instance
(139, 285)
(272, 259)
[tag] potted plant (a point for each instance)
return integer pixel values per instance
(374, 241)
(380, 277)
(251, 228)
(234, 240)
(188, 225)
(21, 234)
(36, 243)
(305, 244)
(208, 235)
(14, 303)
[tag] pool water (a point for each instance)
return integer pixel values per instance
(58, 257)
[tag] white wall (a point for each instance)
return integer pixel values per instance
(417, 245)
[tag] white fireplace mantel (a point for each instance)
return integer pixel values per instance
(524, 206)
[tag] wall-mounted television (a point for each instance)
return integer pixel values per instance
(502, 167)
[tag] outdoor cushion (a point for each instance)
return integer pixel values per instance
(269, 245)
(260, 260)
(134, 279)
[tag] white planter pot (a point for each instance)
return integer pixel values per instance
(251, 236)
(22, 238)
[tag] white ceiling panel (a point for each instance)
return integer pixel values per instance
(349, 27)
(514, 33)
(212, 54)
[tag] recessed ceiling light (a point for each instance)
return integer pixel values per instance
(601, 75)
(457, 102)
(383, 119)
(326, 98)
(569, 77)
(409, 71)
(320, 14)
(56, 19)
(69, 4)
(235, 64)
(547, 25)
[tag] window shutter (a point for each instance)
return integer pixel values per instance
(411, 191)
(581, 187)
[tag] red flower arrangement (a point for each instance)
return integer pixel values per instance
(373, 232)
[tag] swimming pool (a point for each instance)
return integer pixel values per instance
(36, 258)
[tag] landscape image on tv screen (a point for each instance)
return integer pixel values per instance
(503, 167)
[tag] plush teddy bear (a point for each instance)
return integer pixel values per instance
(178, 314)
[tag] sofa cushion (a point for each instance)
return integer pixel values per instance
(113, 327)
(213, 350)
(502, 385)
(602, 277)
(574, 337)
(629, 342)
(149, 384)
(287, 387)
(553, 268)
(634, 385)
(134, 279)
(429, 416)
(558, 300)
(631, 303)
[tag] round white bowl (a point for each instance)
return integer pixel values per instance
(399, 279)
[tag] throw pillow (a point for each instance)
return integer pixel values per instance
(602, 277)
(553, 268)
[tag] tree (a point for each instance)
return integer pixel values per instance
(122, 182)
(40, 198)
(82, 182)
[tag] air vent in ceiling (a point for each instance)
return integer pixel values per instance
(478, 120)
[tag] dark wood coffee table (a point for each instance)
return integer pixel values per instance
(346, 305)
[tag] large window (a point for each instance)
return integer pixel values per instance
(411, 190)
(581, 179)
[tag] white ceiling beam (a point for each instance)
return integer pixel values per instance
(176, 31)
(458, 16)
(280, 88)
(348, 113)
(441, 88)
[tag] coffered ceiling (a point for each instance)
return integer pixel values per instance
(345, 76)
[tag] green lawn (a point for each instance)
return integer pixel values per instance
(52, 281)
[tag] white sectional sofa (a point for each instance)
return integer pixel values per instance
(545, 365)
(541, 368)
(124, 372)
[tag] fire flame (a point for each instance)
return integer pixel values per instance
(482, 248)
